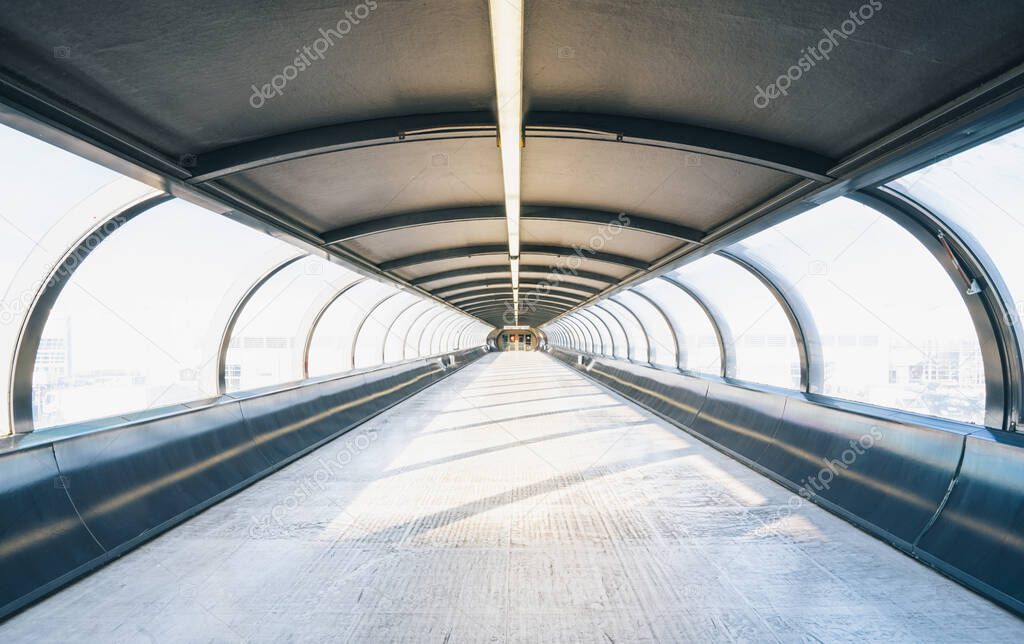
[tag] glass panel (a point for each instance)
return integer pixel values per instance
(138, 325)
(419, 332)
(981, 190)
(585, 333)
(396, 346)
(693, 327)
(659, 333)
(637, 337)
(765, 348)
(437, 334)
(605, 337)
(330, 352)
(895, 332)
(270, 336)
(370, 344)
(619, 346)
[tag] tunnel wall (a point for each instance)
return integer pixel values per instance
(949, 494)
(70, 502)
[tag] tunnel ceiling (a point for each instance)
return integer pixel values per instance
(383, 150)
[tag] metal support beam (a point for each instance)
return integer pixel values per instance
(27, 346)
(359, 328)
(643, 329)
(679, 136)
(503, 269)
(387, 332)
(611, 336)
(524, 295)
(590, 331)
(463, 286)
(719, 323)
(236, 313)
(625, 334)
(316, 321)
(374, 226)
(990, 306)
(808, 341)
(678, 346)
(502, 249)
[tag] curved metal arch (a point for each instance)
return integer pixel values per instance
(359, 328)
(454, 288)
(410, 220)
(462, 339)
(808, 340)
(30, 335)
(590, 315)
(523, 306)
(455, 125)
(568, 337)
(680, 348)
(387, 332)
(236, 314)
(595, 338)
(625, 334)
(523, 293)
(507, 302)
(595, 333)
(643, 329)
(990, 306)
(423, 331)
(316, 322)
(581, 333)
(472, 271)
(455, 335)
(405, 339)
(502, 249)
(443, 327)
(579, 339)
(719, 324)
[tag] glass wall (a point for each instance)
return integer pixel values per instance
(659, 332)
(762, 338)
(894, 330)
(138, 324)
(692, 326)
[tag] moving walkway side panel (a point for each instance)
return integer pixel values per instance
(72, 502)
(287, 422)
(979, 535)
(42, 539)
(128, 480)
(890, 474)
(948, 493)
(669, 394)
(742, 420)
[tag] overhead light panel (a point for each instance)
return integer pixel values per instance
(507, 44)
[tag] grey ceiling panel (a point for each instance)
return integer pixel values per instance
(693, 190)
(341, 188)
(701, 62)
(612, 239)
(399, 243)
(180, 75)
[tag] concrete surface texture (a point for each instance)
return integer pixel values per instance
(515, 501)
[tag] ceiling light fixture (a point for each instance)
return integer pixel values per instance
(507, 45)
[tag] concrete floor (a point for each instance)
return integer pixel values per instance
(515, 501)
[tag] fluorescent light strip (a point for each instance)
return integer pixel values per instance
(507, 44)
